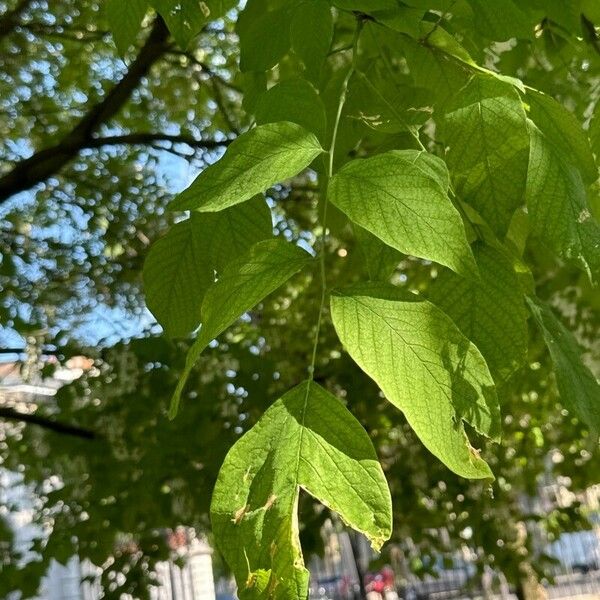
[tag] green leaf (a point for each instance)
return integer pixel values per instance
(256, 160)
(311, 34)
(565, 14)
(177, 274)
(431, 70)
(558, 208)
(595, 130)
(579, 390)
(591, 9)
(125, 19)
(380, 259)
(490, 311)
(242, 285)
(254, 84)
(386, 105)
(231, 232)
(438, 38)
(264, 39)
(184, 18)
(425, 366)
(181, 266)
(404, 19)
(366, 6)
(307, 439)
(294, 100)
(441, 5)
(485, 127)
(501, 20)
(402, 197)
(563, 132)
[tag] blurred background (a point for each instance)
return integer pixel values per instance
(100, 494)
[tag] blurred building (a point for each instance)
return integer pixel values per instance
(188, 576)
(191, 581)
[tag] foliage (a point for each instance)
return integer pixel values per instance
(436, 159)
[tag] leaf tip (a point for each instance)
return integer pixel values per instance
(174, 405)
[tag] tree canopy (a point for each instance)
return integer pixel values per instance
(330, 258)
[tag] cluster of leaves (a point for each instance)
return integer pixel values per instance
(502, 163)
(425, 188)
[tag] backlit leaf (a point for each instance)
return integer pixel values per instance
(293, 100)
(563, 132)
(501, 20)
(242, 285)
(309, 440)
(256, 160)
(425, 366)
(402, 198)
(579, 390)
(485, 128)
(381, 260)
(125, 19)
(177, 273)
(264, 40)
(489, 311)
(184, 18)
(558, 208)
(231, 232)
(311, 34)
(181, 266)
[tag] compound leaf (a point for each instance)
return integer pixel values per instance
(307, 439)
(425, 366)
(255, 161)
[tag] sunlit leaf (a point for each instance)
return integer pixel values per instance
(306, 434)
(242, 285)
(424, 366)
(258, 159)
(402, 198)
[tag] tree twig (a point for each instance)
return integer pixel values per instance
(151, 137)
(13, 415)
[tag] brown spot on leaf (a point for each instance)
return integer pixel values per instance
(270, 501)
(239, 514)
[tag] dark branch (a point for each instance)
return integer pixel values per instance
(24, 350)
(206, 69)
(49, 161)
(12, 415)
(149, 138)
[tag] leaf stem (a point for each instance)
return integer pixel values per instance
(323, 238)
